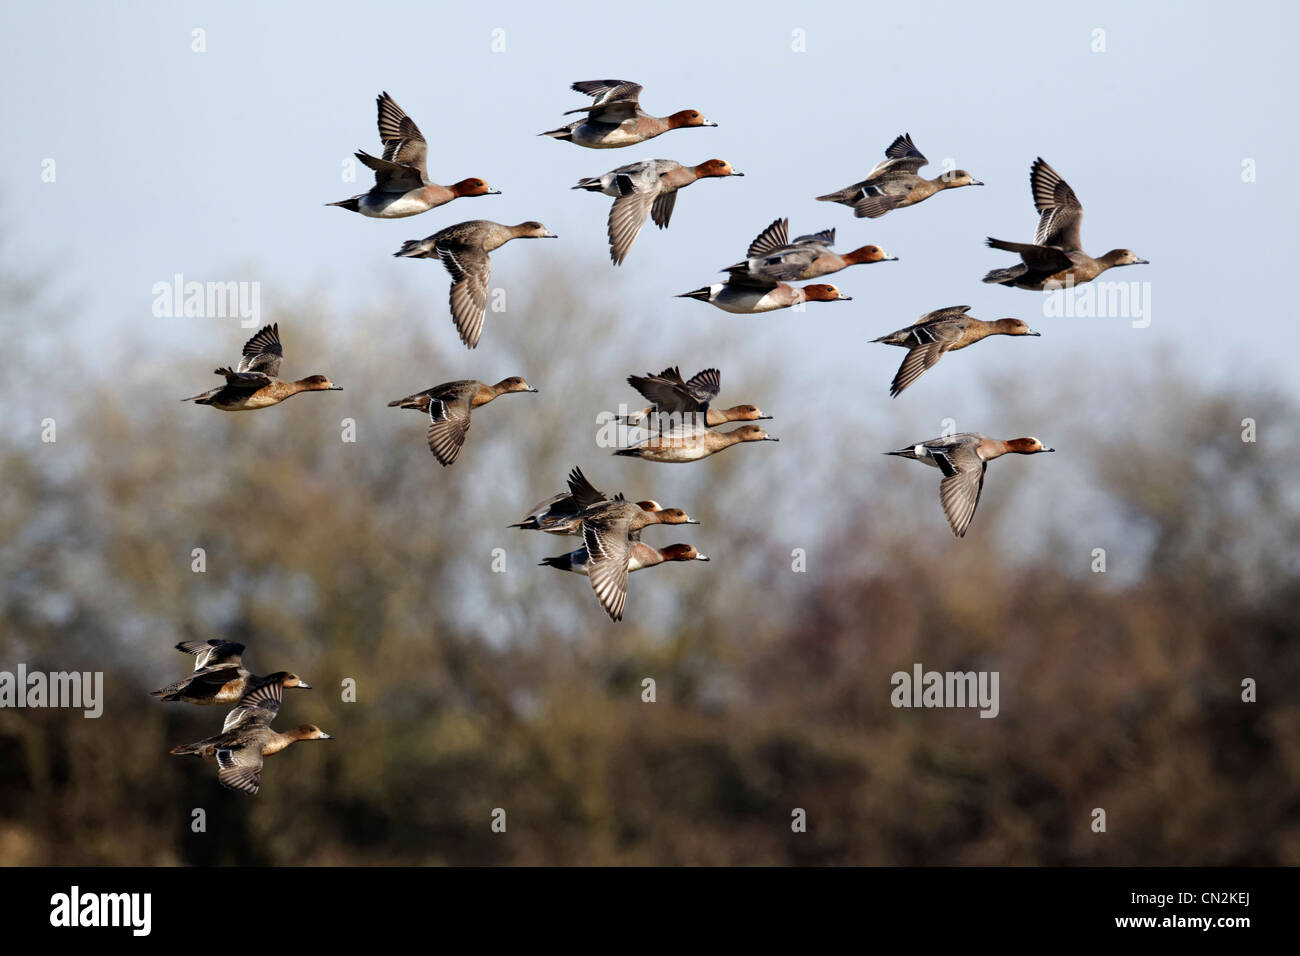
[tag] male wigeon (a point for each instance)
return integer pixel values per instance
(615, 118)
(643, 190)
(247, 738)
(402, 185)
(687, 399)
(940, 331)
(774, 256)
(1056, 257)
(743, 295)
(449, 406)
(640, 556)
(255, 384)
(609, 530)
(219, 675)
(963, 458)
(682, 444)
(463, 249)
(894, 183)
(747, 293)
(561, 514)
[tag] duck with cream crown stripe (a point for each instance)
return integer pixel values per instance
(615, 118)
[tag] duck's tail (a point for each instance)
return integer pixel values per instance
(352, 204)
(591, 184)
(187, 749)
(847, 196)
(701, 293)
(418, 249)
(896, 338)
(635, 419)
(629, 452)
(419, 402)
(563, 562)
(170, 692)
(1007, 245)
(909, 452)
(563, 133)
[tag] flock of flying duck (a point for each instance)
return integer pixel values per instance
(681, 417)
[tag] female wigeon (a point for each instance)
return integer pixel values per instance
(247, 738)
(402, 185)
(219, 675)
(616, 119)
(940, 331)
(680, 445)
(894, 182)
(463, 249)
(254, 384)
(1055, 258)
(645, 189)
(744, 295)
(640, 556)
(561, 514)
(687, 399)
(963, 458)
(774, 256)
(449, 406)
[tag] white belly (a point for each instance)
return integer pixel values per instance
(393, 205)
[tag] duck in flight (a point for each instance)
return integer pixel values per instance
(615, 118)
(255, 383)
(936, 333)
(773, 255)
(1055, 258)
(894, 183)
(964, 458)
(463, 250)
(645, 190)
(402, 184)
(247, 738)
(449, 406)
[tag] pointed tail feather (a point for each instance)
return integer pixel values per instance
(417, 249)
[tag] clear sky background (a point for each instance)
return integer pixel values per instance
(217, 165)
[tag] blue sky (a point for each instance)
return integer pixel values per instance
(217, 164)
